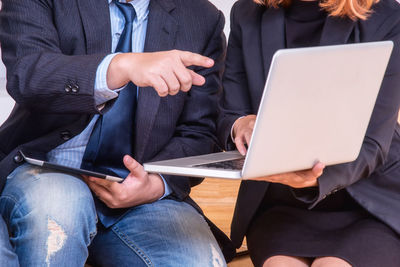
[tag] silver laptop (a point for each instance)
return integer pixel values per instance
(316, 106)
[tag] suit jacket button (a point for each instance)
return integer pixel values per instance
(65, 135)
(75, 89)
(68, 88)
(18, 158)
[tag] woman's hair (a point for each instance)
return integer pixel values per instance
(353, 9)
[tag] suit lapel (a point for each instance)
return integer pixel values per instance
(160, 36)
(337, 31)
(95, 16)
(272, 35)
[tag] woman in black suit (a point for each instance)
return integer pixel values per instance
(341, 215)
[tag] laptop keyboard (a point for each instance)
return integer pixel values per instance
(236, 164)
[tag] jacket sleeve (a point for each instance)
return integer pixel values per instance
(234, 101)
(40, 76)
(196, 129)
(375, 148)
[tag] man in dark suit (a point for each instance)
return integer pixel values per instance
(87, 80)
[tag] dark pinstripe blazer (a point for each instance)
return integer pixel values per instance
(373, 180)
(52, 48)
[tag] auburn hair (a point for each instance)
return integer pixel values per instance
(353, 9)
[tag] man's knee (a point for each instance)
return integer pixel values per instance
(49, 199)
(178, 231)
(7, 255)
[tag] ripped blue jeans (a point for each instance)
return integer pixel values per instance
(53, 222)
(7, 255)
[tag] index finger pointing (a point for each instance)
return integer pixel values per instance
(193, 59)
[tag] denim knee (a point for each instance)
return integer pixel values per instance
(43, 199)
(7, 254)
(168, 233)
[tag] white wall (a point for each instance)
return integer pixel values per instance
(6, 102)
(224, 6)
(2, 75)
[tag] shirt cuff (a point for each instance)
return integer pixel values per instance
(102, 93)
(167, 189)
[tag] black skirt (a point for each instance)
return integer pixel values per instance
(336, 227)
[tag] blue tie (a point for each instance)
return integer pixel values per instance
(112, 135)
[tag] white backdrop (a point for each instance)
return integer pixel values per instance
(2, 74)
(224, 6)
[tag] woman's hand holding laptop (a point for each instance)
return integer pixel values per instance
(242, 132)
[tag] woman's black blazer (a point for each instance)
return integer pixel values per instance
(373, 180)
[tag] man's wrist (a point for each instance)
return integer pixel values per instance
(117, 74)
(102, 93)
(158, 186)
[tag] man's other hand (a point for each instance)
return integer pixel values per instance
(139, 187)
(166, 71)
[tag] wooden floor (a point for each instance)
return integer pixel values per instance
(217, 198)
(242, 261)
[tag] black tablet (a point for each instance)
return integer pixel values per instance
(67, 169)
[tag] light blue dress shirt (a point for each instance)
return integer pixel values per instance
(71, 152)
